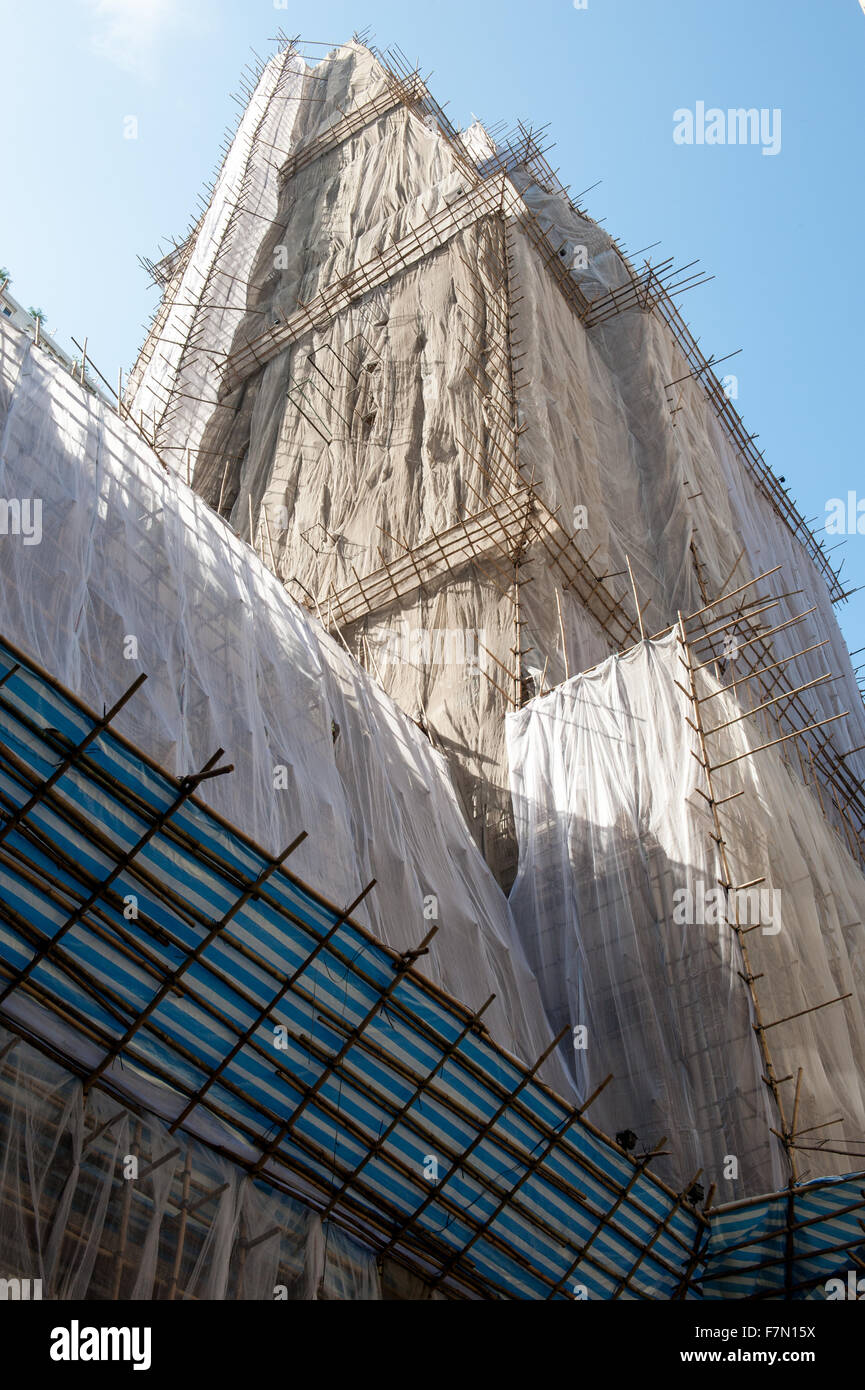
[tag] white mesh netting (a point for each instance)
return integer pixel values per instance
(617, 864)
(101, 1203)
(129, 552)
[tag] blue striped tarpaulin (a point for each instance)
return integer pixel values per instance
(150, 942)
(789, 1244)
(166, 958)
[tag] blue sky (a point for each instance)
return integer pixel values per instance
(780, 234)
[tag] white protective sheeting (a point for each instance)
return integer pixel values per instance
(81, 1217)
(381, 423)
(135, 572)
(174, 384)
(612, 899)
(602, 435)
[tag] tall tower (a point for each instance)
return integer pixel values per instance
(448, 412)
(486, 452)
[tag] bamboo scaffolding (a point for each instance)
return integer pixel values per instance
(471, 1025)
(442, 553)
(606, 1219)
(727, 882)
(306, 1146)
(408, 959)
(240, 207)
(636, 599)
(494, 510)
(651, 290)
(632, 1237)
(732, 423)
(434, 1194)
(264, 1013)
(187, 787)
(400, 255)
(660, 1228)
(69, 759)
(336, 134)
(219, 1017)
(830, 763)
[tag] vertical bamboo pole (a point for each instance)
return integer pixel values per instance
(727, 883)
(562, 631)
(134, 1149)
(636, 599)
(222, 487)
(181, 1230)
(269, 540)
(518, 631)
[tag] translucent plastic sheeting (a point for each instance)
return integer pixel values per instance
(602, 436)
(135, 573)
(174, 385)
(185, 1223)
(612, 900)
(387, 418)
(99, 1202)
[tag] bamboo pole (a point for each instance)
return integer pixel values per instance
(120, 1248)
(773, 742)
(636, 599)
(562, 632)
(727, 881)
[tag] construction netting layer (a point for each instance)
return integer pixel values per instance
(454, 418)
(532, 1201)
(714, 964)
(102, 1202)
(168, 961)
(206, 278)
(134, 573)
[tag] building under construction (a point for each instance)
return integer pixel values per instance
(431, 771)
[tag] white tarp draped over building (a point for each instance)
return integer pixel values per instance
(174, 384)
(133, 572)
(618, 903)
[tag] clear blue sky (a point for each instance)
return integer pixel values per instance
(781, 234)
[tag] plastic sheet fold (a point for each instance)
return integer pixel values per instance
(616, 901)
